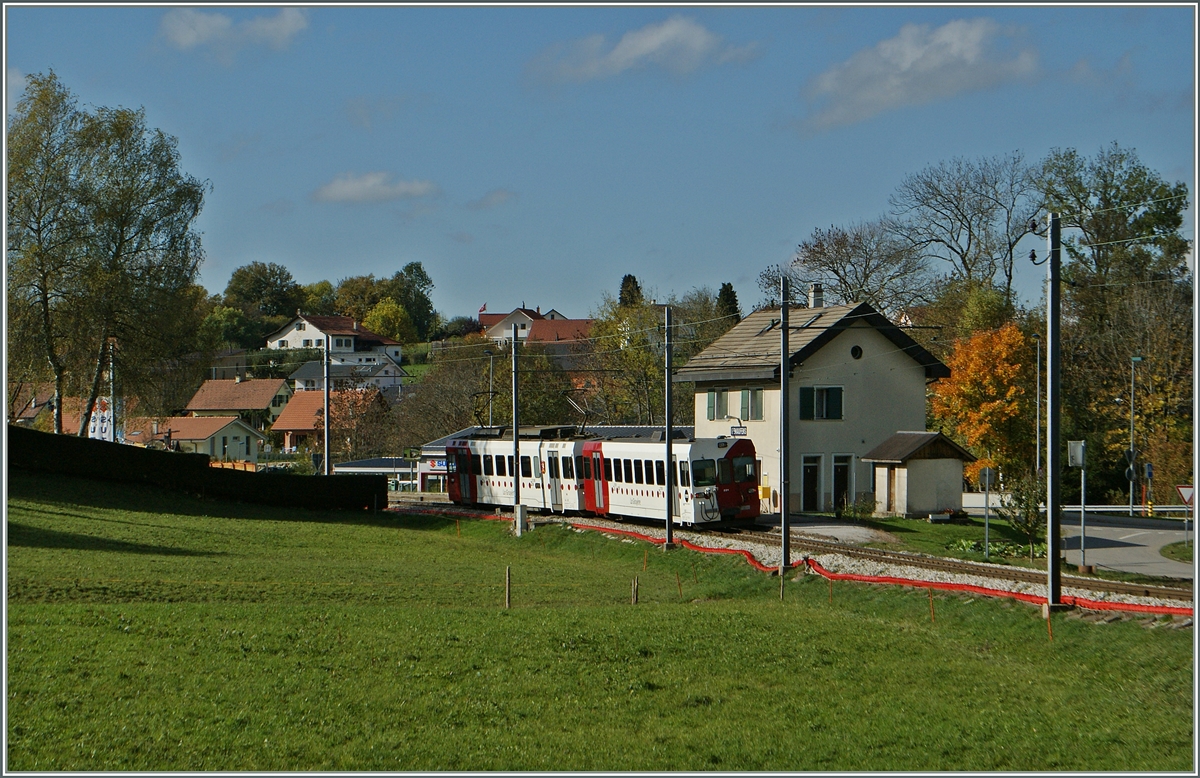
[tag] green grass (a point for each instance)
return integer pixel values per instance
(1179, 551)
(150, 631)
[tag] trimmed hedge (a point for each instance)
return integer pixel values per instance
(99, 459)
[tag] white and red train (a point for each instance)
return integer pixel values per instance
(715, 478)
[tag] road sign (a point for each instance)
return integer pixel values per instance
(1185, 493)
(1149, 472)
(987, 477)
(737, 432)
(1129, 455)
(1075, 453)
(1130, 475)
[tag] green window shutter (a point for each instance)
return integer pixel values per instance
(807, 399)
(712, 404)
(745, 414)
(834, 407)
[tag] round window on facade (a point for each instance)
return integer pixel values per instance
(856, 352)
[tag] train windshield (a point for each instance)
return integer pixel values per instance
(724, 471)
(704, 472)
(744, 470)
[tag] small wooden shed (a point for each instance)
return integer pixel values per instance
(918, 473)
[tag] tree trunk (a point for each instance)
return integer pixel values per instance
(97, 376)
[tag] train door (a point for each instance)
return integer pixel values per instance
(599, 488)
(841, 482)
(673, 486)
(553, 482)
(461, 462)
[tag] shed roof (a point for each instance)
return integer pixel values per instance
(751, 348)
(251, 394)
(903, 446)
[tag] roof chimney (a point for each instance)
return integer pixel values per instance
(237, 379)
(355, 326)
(539, 309)
(816, 296)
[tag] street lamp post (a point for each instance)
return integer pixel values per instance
(1132, 456)
(491, 360)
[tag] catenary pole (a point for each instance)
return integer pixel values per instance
(1053, 417)
(325, 360)
(516, 425)
(784, 427)
(668, 428)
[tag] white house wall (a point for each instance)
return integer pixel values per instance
(884, 392)
(936, 486)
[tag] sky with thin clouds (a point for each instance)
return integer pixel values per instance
(535, 155)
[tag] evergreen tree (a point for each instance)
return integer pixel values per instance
(727, 303)
(631, 291)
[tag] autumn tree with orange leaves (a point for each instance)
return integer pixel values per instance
(983, 403)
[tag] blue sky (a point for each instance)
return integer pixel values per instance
(538, 154)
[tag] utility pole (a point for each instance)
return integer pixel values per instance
(518, 509)
(668, 429)
(784, 427)
(1131, 454)
(1053, 417)
(325, 360)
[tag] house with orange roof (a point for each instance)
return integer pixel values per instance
(257, 401)
(226, 438)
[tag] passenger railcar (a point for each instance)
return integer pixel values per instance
(715, 478)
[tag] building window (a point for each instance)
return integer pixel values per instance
(300, 326)
(307, 343)
(752, 404)
(717, 404)
(283, 344)
(821, 402)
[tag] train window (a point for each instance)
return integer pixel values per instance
(724, 471)
(568, 467)
(499, 464)
(512, 471)
(683, 474)
(650, 471)
(637, 471)
(584, 465)
(487, 465)
(452, 464)
(629, 472)
(744, 470)
(608, 471)
(705, 472)
(660, 473)
(526, 468)
(476, 465)
(616, 474)
(553, 466)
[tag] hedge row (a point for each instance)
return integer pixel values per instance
(99, 459)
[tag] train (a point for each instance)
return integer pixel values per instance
(563, 471)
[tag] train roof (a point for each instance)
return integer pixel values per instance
(625, 433)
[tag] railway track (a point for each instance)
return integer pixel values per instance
(959, 566)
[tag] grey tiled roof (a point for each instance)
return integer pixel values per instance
(904, 446)
(751, 349)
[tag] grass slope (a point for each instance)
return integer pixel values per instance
(154, 632)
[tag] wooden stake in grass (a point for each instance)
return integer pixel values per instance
(645, 559)
(831, 591)
(694, 578)
(679, 584)
(931, 616)
(781, 569)
(1049, 628)
(634, 593)
(507, 586)
(458, 527)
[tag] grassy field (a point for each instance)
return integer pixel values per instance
(149, 631)
(1180, 552)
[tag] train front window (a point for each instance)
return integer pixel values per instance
(724, 471)
(704, 472)
(487, 465)
(499, 464)
(745, 470)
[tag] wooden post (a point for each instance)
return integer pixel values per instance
(645, 559)
(831, 591)
(931, 616)
(695, 579)
(679, 584)
(507, 586)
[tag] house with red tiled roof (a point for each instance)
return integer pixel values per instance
(257, 401)
(226, 438)
(349, 342)
(533, 325)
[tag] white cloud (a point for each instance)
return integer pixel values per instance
(678, 45)
(492, 199)
(188, 29)
(371, 188)
(918, 66)
(14, 87)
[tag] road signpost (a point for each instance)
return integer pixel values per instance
(1185, 493)
(1076, 457)
(987, 476)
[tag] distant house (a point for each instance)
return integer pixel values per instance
(918, 473)
(257, 401)
(549, 327)
(301, 418)
(29, 402)
(226, 438)
(311, 376)
(349, 342)
(855, 379)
